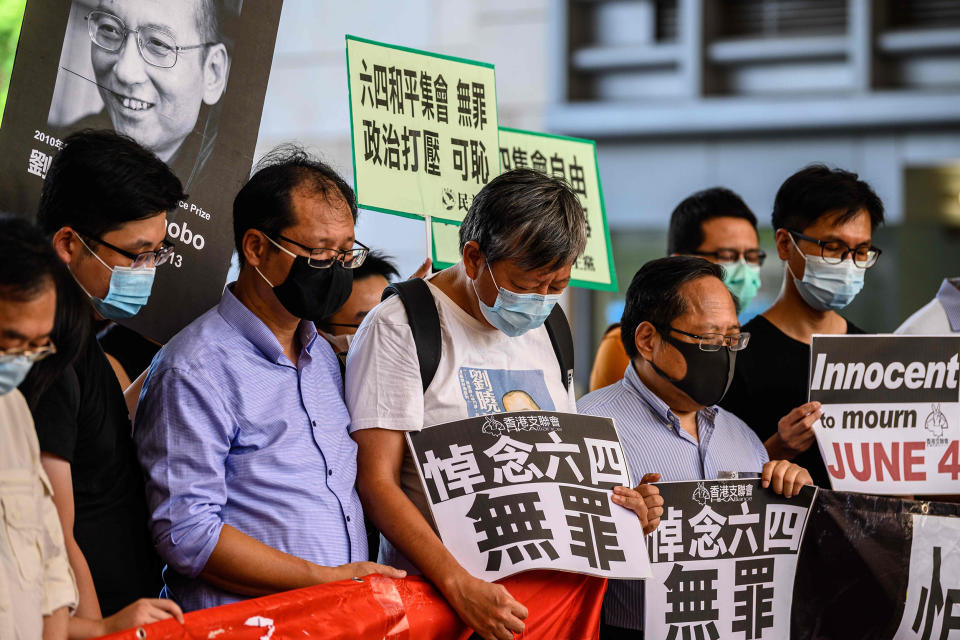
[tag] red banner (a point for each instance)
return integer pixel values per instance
(561, 605)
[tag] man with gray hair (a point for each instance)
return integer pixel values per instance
(518, 243)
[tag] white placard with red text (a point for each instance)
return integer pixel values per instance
(890, 419)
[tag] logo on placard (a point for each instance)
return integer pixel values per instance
(493, 426)
(449, 199)
(936, 423)
(723, 492)
(700, 495)
(507, 424)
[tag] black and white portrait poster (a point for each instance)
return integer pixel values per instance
(530, 490)
(723, 560)
(184, 78)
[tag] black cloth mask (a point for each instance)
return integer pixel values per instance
(314, 294)
(709, 373)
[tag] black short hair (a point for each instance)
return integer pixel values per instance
(102, 180)
(686, 222)
(816, 190)
(654, 294)
(265, 202)
(28, 263)
(376, 264)
(527, 216)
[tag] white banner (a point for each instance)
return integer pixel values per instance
(932, 610)
(724, 560)
(890, 420)
(511, 492)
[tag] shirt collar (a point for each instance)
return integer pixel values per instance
(248, 325)
(631, 379)
(949, 297)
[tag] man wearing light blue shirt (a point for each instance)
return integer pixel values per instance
(681, 332)
(241, 426)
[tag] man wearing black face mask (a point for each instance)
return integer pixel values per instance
(241, 426)
(681, 332)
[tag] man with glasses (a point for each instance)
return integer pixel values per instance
(37, 589)
(158, 67)
(824, 220)
(104, 206)
(681, 331)
(241, 427)
(717, 225)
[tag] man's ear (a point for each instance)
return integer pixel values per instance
(255, 246)
(472, 259)
(645, 338)
(216, 68)
(67, 245)
(784, 244)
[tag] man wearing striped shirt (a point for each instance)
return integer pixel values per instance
(681, 332)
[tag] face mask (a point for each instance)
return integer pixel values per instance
(516, 313)
(128, 293)
(313, 294)
(709, 373)
(828, 287)
(743, 281)
(12, 373)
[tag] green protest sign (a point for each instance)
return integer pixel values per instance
(423, 129)
(573, 159)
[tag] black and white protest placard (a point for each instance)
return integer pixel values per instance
(184, 78)
(890, 420)
(723, 561)
(932, 609)
(530, 490)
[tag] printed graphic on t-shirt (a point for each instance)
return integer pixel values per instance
(499, 390)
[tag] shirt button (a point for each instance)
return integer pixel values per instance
(330, 472)
(348, 518)
(313, 422)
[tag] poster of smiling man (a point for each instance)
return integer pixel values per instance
(184, 78)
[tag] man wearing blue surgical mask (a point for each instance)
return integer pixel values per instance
(518, 243)
(824, 220)
(104, 205)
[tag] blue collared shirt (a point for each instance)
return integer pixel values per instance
(949, 298)
(654, 442)
(230, 431)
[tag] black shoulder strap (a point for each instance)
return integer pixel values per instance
(562, 340)
(424, 323)
(425, 326)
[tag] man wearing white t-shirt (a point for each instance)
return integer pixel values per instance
(940, 315)
(518, 243)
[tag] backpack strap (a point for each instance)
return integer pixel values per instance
(562, 340)
(424, 323)
(424, 320)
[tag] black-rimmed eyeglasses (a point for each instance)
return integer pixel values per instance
(836, 251)
(322, 258)
(142, 260)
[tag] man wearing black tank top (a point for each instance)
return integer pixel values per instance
(824, 220)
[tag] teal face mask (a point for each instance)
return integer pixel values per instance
(743, 281)
(128, 293)
(516, 313)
